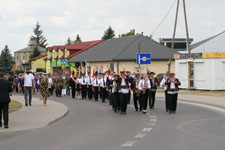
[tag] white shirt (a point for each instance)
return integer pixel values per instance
(162, 83)
(83, 81)
(143, 84)
(50, 82)
(122, 90)
(89, 80)
(95, 82)
(102, 82)
(28, 80)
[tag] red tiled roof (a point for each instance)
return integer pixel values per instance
(38, 57)
(82, 46)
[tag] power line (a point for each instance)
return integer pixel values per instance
(164, 17)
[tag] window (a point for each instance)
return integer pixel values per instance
(25, 57)
(18, 57)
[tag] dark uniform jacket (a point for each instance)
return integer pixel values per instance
(72, 83)
(176, 85)
(5, 89)
(156, 83)
(126, 81)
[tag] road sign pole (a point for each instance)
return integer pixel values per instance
(139, 51)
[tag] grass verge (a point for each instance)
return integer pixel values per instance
(14, 106)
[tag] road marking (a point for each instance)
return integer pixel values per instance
(153, 120)
(129, 143)
(146, 129)
(152, 116)
(140, 135)
(151, 124)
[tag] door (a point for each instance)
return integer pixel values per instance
(191, 74)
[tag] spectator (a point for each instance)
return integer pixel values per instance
(29, 82)
(5, 89)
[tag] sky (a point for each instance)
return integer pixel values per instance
(60, 19)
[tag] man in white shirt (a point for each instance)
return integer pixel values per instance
(144, 86)
(29, 83)
(103, 87)
(163, 85)
(95, 86)
(90, 92)
(84, 83)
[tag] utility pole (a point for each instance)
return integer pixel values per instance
(174, 33)
(139, 51)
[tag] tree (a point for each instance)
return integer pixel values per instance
(37, 40)
(108, 34)
(36, 52)
(78, 39)
(69, 41)
(6, 60)
(132, 32)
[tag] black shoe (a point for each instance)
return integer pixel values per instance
(26, 104)
(167, 110)
(30, 104)
(125, 113)
(170, 112)
(6, 126)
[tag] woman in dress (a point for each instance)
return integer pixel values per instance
(44, 85)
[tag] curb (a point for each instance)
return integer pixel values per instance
(59, 118)
(192, 101)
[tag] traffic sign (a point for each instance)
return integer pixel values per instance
(63, 61)
(143, 58)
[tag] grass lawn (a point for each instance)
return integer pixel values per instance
(203, 93)
(14, 106)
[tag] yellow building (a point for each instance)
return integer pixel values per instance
(120, 54)
(38, 64)
(22, 57)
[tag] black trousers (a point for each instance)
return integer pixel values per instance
(136, 101)
(103, 93)
(90, 92)
(28, 92)
(129, 96)
(172, 102)
(58, 92)
(73, 92)
(84, 91)
(96, 93)
(152, 99)
(123, 101)
(4, 110)
(166, 100)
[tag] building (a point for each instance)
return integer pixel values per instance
(205, 68)
(22, 57)
(38, 64)
(57, 54)
(120, 53)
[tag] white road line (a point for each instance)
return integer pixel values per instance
(152, 116)
(129, 143)
(140, 135)
(153, 120)
(146, 129)
(151, 124)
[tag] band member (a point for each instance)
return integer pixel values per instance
(89, 80)
(163, 85)
(154, 83)
(109, 83)
(136, 92)
(78, 88)
(103, 87)
(115, 93)
(59, 83)
(73, 85)
(130, 82)
(95, 86)
(172, 91)
(123, 87)
(144, 85)
(83, 81)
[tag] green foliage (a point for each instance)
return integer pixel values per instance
(36, 52)
(78, 39)
(6, 60)
(132, 32)
(108, 34)
(38, 38)
(69, 41)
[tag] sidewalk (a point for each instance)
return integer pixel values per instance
(207, 100)
(35, 116)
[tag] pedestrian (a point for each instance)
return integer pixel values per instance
(44, 86)
(29, 83)
(21, 84)
(16, 81)
(172, 91)
(59, 83)
(123, 87)
(50, 81)
(163, 85)
(103, 87)
(115, 94)
(95, 86)
(64, 89)
(136, 92)
(154, 83)
(90, 92)
(37, 83)
(73, 84)
(84, 83)
(67, 80)
(5, 89)
(144, 85)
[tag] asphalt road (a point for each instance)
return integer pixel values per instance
(94, 126)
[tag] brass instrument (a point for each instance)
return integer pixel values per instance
(144, 88)
(137, 92)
